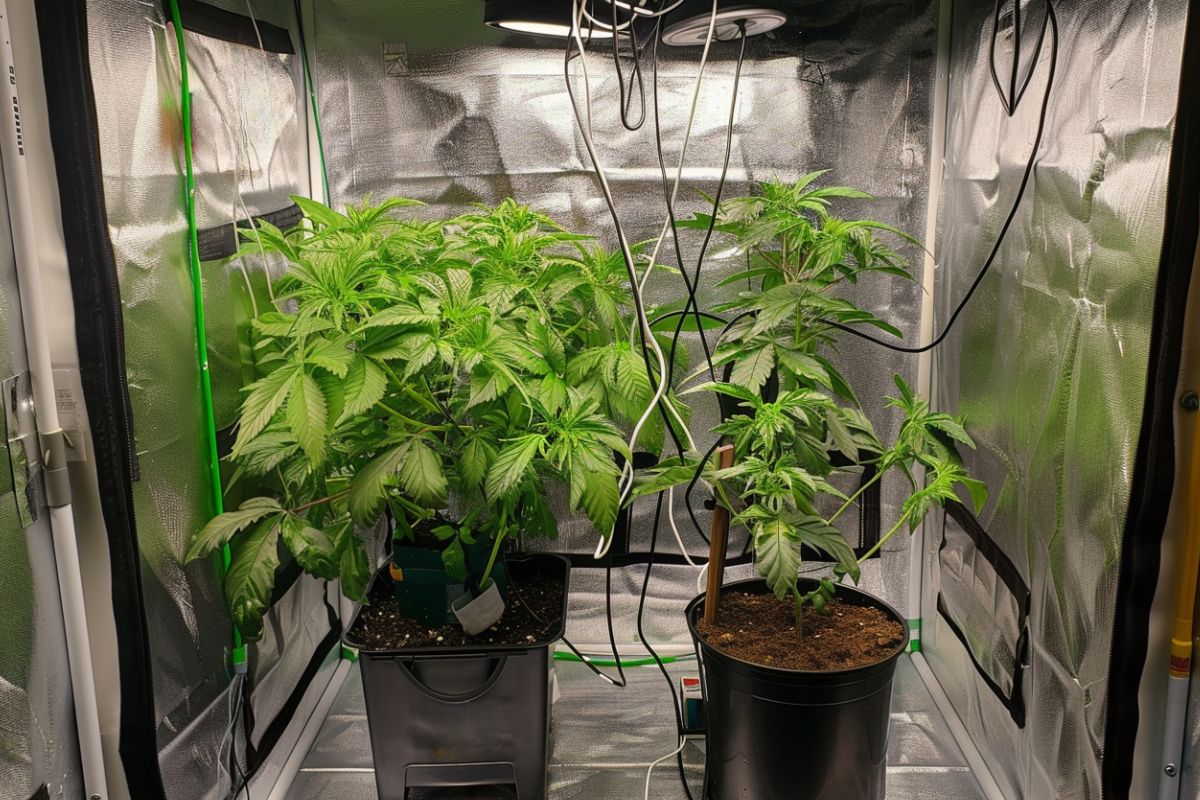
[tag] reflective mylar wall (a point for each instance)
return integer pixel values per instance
(1049, 363)
(422, 100)
(249, 124)
(37, 722)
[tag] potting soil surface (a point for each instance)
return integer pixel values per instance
(532, 616)
(761, 629)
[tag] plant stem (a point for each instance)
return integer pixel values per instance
(500, 535)
(306, 506)
(799, 616)
(883, 540)
(850, 500)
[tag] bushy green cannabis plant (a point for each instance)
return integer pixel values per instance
(449, 371)
(789, 447)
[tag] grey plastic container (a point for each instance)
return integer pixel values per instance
(465, 716)
(781, 734)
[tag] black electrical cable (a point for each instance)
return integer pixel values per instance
(692, 303)
(1010, 105)
(693, 285)
(621, 681)
(680, 721)
(667, 192)
(672, 314)
(626, 101)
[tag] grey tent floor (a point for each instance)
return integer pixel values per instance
(604, 738)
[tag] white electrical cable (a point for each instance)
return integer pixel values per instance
(638, 10)
(626, 482)
(650, 769)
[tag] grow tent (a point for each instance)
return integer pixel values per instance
(1040, 628)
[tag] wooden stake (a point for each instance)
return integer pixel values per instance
(717, 540)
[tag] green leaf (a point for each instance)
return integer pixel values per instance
(321, 215)
(455, 560)
(661, 478)
(978, 491)
(510, 465)
(842, 439)
(552, 392)
(221, 529)
(777, 551)
(354, 568)
(599, 498)
(312, 547)
(368, 484)
(629, 372)
(820, 535)
(330, 355)
(753, 369)
(477, 456)
(421, 475)
(264, 399)
(306, 416)
(277, 324)
(251, 577)
(267, 451)
(364, 387)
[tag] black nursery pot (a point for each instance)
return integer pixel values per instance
(776, 734)
(465, 716)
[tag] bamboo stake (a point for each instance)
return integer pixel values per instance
(717, 541)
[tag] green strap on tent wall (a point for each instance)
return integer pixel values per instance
(209, 432)
(311, 88)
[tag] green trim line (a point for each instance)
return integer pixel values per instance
(608, 662)
(914, 635)
(206, 399)
(312, 97)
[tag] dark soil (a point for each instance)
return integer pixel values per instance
(761, 629)
(532, 616)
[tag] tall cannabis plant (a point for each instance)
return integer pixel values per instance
(438, 369)
(789, 447)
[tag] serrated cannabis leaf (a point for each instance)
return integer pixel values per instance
(306, 416)
(250, 579)
(509, 467)
(421, 475)
(777, 550)
(221, 529)
(365, 385)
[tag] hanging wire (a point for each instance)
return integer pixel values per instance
(1010, 103)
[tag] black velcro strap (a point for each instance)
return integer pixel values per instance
(218, 23)
(221, 242)
(1016, 659)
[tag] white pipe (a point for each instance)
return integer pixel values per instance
(13, 144)
(979, 768)
(1174, 724)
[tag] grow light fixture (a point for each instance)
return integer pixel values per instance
(688, 26)
(539, 18)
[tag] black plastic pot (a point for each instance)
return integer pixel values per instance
(779, 734)
(466, 716)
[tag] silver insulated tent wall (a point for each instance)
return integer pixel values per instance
(1047, 152)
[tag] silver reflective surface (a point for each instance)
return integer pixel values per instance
(1049, 363)
(250, 156)
(422, 100)
(591, 759)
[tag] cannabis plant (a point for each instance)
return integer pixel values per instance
(790, 447)
(449, 372)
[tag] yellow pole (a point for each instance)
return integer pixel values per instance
(1181, 636)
